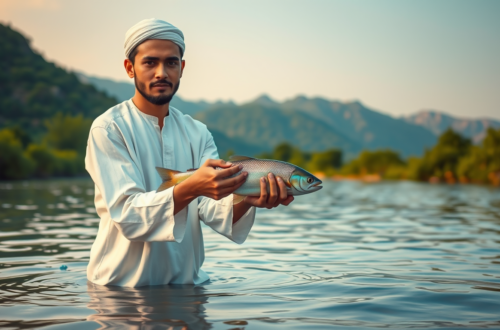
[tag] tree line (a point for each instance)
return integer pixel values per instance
(453, 159)
(60, 151)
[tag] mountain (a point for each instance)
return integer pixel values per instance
(32, 89)
(367, 127)
(236, 145)
(437, 122)
(123, 90)
(265, 127)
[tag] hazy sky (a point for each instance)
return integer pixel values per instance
(395, 56)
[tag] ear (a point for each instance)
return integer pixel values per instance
(129, 68)
(183, 64)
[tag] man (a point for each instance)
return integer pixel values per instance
(149, 238)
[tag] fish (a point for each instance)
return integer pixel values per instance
(297, 180)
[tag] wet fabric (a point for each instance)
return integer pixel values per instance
(140, 241)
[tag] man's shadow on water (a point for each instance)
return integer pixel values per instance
(151, 307)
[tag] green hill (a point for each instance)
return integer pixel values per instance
(266, 127)
(32, 89)
(370, 128)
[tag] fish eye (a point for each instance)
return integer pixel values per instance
(309, 180)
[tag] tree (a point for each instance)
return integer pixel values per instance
(65, 132)
(13, 163)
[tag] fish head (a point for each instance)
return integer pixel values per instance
(303, 182)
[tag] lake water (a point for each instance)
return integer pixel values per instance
(356, 256)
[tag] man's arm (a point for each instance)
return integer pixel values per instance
(138, 214)
(208, 182)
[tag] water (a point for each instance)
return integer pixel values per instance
(356, 256)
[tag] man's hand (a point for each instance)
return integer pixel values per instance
(277, 193)
(216, 184)
(209, 182)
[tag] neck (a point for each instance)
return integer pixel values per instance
(159, 111)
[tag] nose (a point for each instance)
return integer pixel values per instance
(161, 72)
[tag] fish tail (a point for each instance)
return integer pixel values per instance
(169, 178)
(237, 198)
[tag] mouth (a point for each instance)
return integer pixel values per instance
(161, 86)
(315, 188)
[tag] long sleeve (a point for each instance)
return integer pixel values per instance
(139, 215)
(218, 215)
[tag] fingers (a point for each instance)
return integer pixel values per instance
(224, 192)
(283, 193)
(265, 199)
(236, 181)
(287, 201)
(263, 192)
(217, 163)
(273, 191)
(229, 171)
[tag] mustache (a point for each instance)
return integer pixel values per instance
(160, 82)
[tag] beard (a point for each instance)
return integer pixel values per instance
(161, 99)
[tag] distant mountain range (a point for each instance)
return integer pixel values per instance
(122, 91)
(313, 123)
(33, 90)
(438, 122)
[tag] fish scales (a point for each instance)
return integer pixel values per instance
(297, 180)
(258, 168)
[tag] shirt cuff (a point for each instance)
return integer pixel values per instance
(239, 231)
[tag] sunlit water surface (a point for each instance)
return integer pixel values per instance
(357, 256)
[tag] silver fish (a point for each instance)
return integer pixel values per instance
(297, 180)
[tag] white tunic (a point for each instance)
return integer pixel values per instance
(140, 241)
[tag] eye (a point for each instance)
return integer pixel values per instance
(310, 180)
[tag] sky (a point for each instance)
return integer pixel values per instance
(398, 57)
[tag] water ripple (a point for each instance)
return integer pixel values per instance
(389, 255)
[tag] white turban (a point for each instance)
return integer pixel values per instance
(152, 28)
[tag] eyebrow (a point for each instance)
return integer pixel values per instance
(152, 58)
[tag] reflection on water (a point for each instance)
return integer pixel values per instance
(388, 255)
(179, 306)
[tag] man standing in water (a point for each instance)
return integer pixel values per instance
(149, 238)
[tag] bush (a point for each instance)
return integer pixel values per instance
(44, 159)
(68, 162)
(65, 132)
(13, 163)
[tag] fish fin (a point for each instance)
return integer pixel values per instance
(191, 170)
(166, 174)
(165, 185)
(237, 198)
(236, 158)
(168, 178)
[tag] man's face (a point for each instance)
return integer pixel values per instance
(157, 70)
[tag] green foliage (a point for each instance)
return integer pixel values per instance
(68, 162)
(44, 159)
(21, 135)
(33, 89)
(49, 162)
(326, 161)
(482, 163)
(442, 160)
(375, 162)
(13, 163)
(67, 132)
